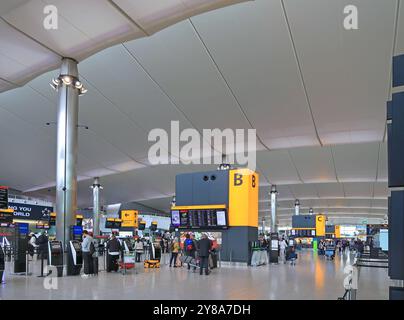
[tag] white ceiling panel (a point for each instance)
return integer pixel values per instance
(20, 57)
(347, 83)
(162, 204)
(304, 191)
(329, 190)
(356, 162)
(379, 204)
(80, 32)
(198, 89)
(277, 166)
(315, 164)
(358, 190)
(251, 44)
(108, 122)
(382, 174)
(128, 87)
(381, 190)
(153, 16)
(20, 158)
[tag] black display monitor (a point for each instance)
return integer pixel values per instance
(211, 219)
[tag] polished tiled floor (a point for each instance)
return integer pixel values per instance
(312, 278)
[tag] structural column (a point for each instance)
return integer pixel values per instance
(297, 207)
(69, 88)
(96, 206)
(273, 194)
(395, 142)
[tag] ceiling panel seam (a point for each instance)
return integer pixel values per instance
(300, 71)
(81, 154)
(290, 190)
(10, 82)
(32, 38)
(175, 104)
(335, 167)
(129, 18)
(124, 113)
(232, 93)
(294, 165)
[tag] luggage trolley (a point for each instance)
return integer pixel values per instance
(330, 252)
(127, 262)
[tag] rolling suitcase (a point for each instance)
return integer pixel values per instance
(95, 265)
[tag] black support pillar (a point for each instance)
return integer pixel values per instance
(395, 131)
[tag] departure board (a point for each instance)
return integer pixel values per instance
(199, 219)
(3, 197)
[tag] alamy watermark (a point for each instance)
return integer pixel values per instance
(213, 146)
(351, 21)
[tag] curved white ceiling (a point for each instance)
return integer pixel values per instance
(315, 93)
(84, 28)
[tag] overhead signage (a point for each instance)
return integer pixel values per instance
(199, 218)
(129, 218)
(3, 197)
(30, 211)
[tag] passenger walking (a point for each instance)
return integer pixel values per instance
(88, 249)
(32, 244)
(139, 248)
(204, 248)
(190, 248)
(282, 249)
(113, 250)
(175, 249)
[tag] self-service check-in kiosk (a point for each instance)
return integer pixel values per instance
(224, 201)
(74, 253)
(274, 248)
(55, 254)
(20, 246)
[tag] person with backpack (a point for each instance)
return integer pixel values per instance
(88, 249)
(113, 249)
(190, 249)
(42, 243)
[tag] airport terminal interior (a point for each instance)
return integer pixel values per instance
(202, 149)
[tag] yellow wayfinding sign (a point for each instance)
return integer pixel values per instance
(337, 232)
(320, 225)
(129, 218)
(243, 198)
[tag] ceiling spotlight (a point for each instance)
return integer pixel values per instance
(78, 84)
(67, 80)
(82, 91)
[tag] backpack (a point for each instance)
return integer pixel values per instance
(189, 245)
(92, 248)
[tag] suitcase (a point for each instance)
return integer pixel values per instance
(95, 265)
(213, 260)
(151, 264)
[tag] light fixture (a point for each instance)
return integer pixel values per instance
(68, 80)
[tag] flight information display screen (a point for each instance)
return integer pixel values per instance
(199, 219)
